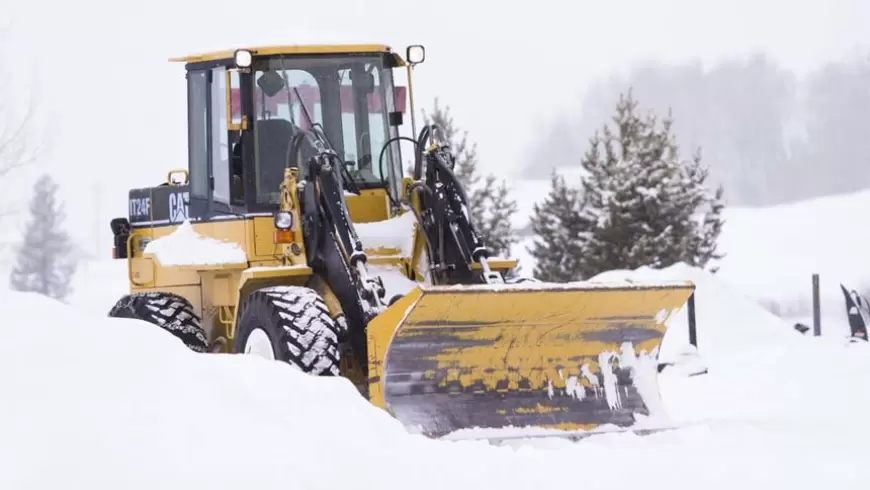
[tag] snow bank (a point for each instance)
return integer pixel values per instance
(98, 284)
(185, 246)
(99, 403)
(725, 320)
(773, 252)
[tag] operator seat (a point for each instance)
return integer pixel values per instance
(273, 146)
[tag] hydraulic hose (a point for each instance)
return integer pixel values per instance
(381, 160)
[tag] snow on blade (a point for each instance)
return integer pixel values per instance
(185, 246)
(395, 282)
(395, 235)
(643, 368)
(556, 286)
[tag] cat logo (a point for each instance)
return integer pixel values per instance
(178, 206)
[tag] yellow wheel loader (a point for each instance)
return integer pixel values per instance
(293, 235)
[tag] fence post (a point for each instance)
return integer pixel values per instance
(817, 308)
(693, 330)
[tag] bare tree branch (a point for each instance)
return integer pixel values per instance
(16, 149)
(18, 146)
(20, 143)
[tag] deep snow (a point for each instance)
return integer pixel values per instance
(91, 402)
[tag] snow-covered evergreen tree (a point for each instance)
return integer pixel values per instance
(46, 260)
(495, 223)
(639, 204)
(490, 204)
(562, 234)
(465, 151)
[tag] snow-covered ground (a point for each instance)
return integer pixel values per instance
(91, 402)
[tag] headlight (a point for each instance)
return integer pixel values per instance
(283, 220)
(415, 54)
(242, 58)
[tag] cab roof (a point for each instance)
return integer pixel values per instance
(293, 49)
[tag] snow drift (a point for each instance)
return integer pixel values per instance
(771, 254)
(725, 320)
(92, 402)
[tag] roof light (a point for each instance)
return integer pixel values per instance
(242, 58)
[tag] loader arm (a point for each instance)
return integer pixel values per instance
(333, 247)
(455, 244)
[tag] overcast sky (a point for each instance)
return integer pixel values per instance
(116, 108)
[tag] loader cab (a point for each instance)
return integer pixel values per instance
(245, 106)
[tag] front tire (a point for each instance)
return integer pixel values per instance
(168, 311)
(290, 324)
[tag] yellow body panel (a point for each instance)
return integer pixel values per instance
(497, 264)
(446, 358)
(298, 49)
(262, 238)
(370, 206)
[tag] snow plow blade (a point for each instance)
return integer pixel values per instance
(443, 359)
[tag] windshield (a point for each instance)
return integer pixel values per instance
(349, 96)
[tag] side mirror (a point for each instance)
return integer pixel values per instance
(415, 54)
(271, 83)
(396, 118)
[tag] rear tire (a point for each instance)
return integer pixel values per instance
(168, 311)
(290, 324)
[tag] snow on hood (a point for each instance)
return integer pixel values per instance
(392, 234)
(185, 246)
(92, 402)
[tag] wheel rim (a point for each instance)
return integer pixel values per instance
(259, 344)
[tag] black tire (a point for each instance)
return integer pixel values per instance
(168, 311)
(299, 327)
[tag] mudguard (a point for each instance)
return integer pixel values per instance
(561, 356)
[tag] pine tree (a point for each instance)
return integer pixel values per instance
(562, 234)
(490, 204)
(495, 222)
(45, 262)
(465, 152)
(704, 241)
(640, 205)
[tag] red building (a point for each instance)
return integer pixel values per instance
(311, 97)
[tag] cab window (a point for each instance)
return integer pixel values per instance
(278, 104)
(344, 95)
(220, 154)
